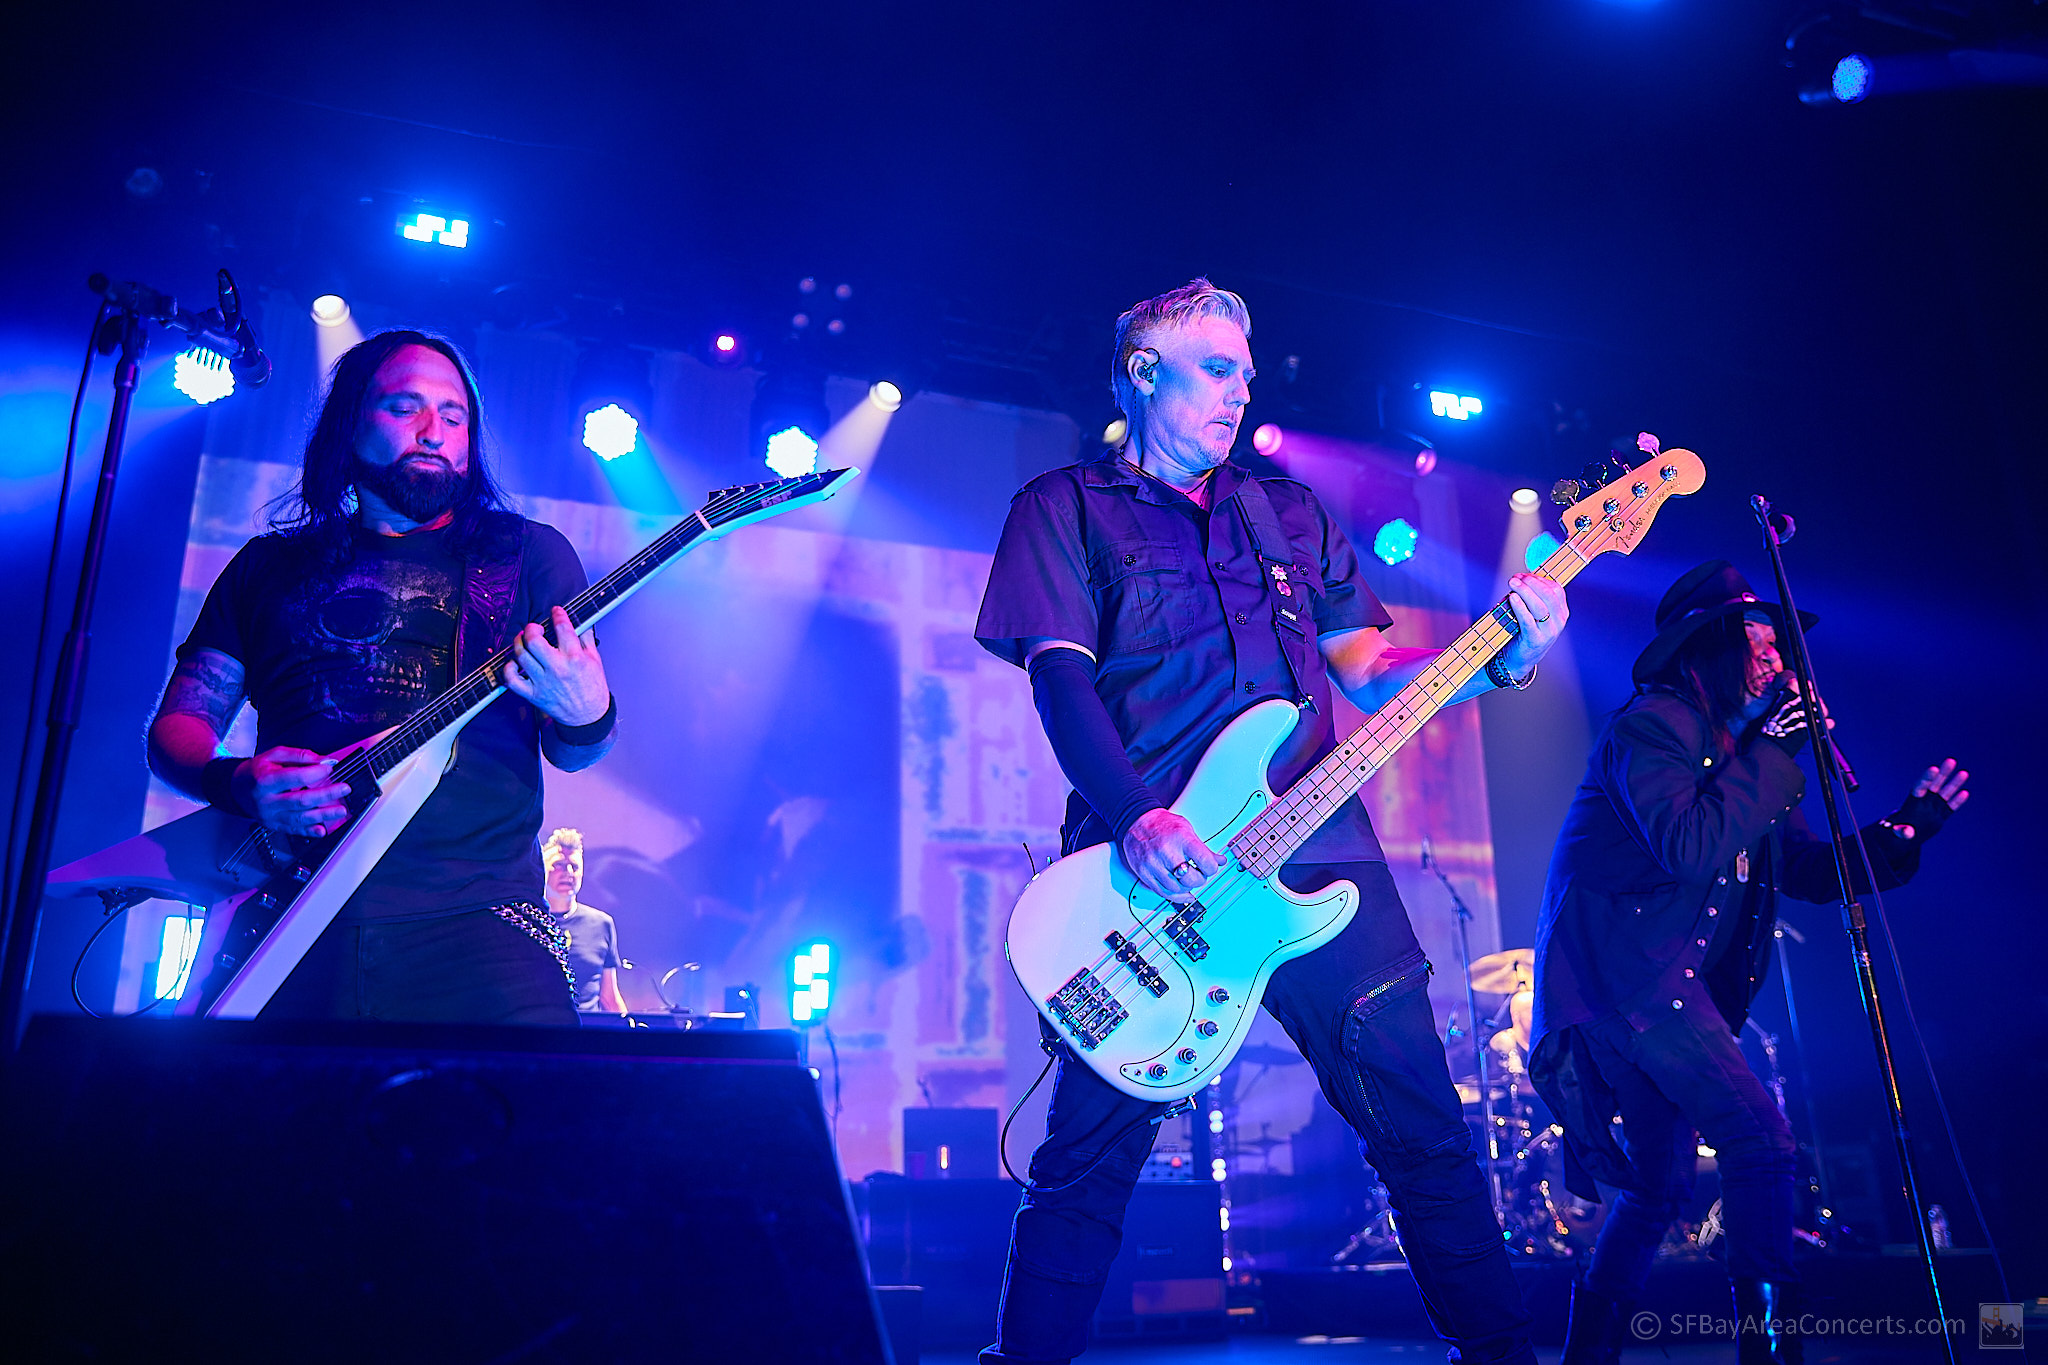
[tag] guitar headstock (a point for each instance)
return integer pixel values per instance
(1618, 514)
(745, 502)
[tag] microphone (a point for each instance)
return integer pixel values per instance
(1784, 685)
(250, 365)
(222, 330)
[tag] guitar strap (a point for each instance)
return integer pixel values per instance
(488, 589)
(1293, 618)
(484, 620)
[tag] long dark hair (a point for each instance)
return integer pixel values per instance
(1711, 670)
(321, 506)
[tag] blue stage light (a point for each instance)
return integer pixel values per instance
(810, 978)
(791, 452)
(1395, 542)
(1541, 548)
(1457, 407)
(610, 432)
(202, 376)
(1852, 78)
(431, 227)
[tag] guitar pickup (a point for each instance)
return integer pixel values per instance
(1128, 954)
(1087, 1009)
(1181, 929)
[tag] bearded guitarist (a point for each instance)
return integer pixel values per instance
(1154, 594)
(396, 568)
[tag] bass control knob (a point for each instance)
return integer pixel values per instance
(1217, 995)
(1207, 1028)
(1157, 1071)
(1186, 1055)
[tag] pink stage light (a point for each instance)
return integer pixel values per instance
(1425, 461)
(1266, 439)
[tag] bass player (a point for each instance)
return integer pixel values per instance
(394, 567)
(1153, 594)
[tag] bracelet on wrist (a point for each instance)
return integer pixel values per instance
(1497, 673)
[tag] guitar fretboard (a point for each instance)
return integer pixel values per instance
(724, 511)
(1275, 835)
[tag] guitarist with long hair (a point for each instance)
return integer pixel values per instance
(1154, 594)
(395, 568)
(1655, 935)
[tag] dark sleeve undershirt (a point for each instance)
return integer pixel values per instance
(1085, 741)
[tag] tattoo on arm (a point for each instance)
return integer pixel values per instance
(207, 685)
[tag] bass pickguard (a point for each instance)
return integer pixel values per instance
(1154, 996)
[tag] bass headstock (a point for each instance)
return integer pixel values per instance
(1617, 514)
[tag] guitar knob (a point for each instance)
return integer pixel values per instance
(1157, 1071)
(1217, 995)
(1186, 1056)
(1207, 1028)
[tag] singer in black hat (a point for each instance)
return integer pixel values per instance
(1655, 932)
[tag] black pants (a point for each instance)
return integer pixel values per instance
(1683, 1074)
(1358, 1008)
(470, 968)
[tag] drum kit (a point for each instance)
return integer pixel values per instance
(1520, 1150)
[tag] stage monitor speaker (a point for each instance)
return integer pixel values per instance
(324, 1192)
(950, 1144)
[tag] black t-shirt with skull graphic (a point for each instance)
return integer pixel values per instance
(332, 655)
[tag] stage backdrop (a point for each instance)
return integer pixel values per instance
(812, 746)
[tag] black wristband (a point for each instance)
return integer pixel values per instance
(593, 733)
(217, 785)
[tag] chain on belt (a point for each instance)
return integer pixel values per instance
(538, 923)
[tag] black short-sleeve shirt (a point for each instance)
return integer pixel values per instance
(333, 654)
(1175, 606)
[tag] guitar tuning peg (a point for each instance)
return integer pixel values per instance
(1565, 492)
(1648, 443)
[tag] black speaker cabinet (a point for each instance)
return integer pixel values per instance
(950, 1144)
(1167, 1282)
(319, 1192)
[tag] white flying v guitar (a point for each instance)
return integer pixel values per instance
(1156, 995)
(269, 896)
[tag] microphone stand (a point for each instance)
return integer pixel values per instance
(1828, 764)
(123, 331)
(1464, 915)
(227, 333)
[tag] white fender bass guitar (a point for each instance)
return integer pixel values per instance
(1156, 995)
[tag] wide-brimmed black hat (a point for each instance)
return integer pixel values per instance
(1711, 592)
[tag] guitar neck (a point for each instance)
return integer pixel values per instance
(725, 512)
(1276, 835)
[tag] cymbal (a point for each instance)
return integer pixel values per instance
(1505, 972)
(1265, 1054)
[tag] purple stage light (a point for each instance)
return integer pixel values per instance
(1266, 439)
